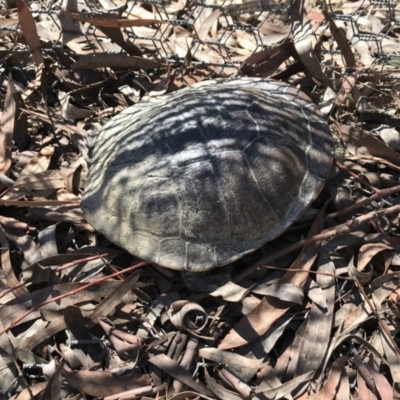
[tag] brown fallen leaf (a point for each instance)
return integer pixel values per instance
(115, 61)
(38, 163)
(38, 203)
(341, 41)
(7, 124)
(220, 391)
(360, 137)
(27, 393)
(112, 23)
(317, 335)
(103, 383)
(126, 344)
(53, 388)
(303, 44)
(383, 387)
(35, 85)
(108, 304)
(65, 213)
(29, 31)
(9, 22)
(70, 27)
(382, 287)
(368, 251)
(207, 24)
(328, 392)
(285, 389)
(49, 329)
(255, 323)
(267, 61)
(7, 268)
(26, 307)
(46, 180)
(262, 317)
(173, 369)
(348, 84)
(229, 358)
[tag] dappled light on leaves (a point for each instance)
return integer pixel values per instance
(312, 314)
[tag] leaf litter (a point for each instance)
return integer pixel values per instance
(314, 314)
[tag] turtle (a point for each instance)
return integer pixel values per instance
(196, 179)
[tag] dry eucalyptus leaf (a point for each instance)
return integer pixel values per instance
(115, 61)
(103, 383)
(191, 317)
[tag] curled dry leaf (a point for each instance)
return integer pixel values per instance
(188, 317)
(363, 277)
(235, 382)
(48, 242)
(368, 251)
(207, 24)
(391, 355)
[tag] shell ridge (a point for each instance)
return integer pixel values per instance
(271, 209)
(221, 194)
(187, 175)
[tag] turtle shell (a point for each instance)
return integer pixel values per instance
(196, 179)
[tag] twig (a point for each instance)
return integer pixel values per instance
(376, 196)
